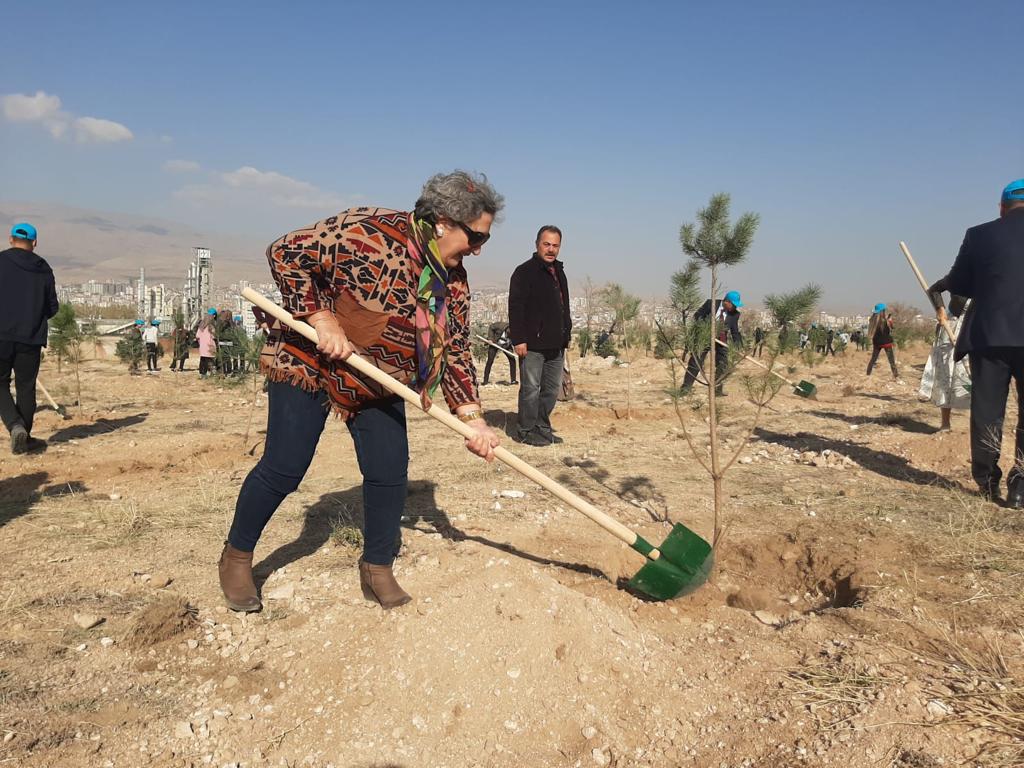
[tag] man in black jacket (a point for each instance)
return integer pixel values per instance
(539, 328)
(990, 270)
(727, 324)
(28, 298)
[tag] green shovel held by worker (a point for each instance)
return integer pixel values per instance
(679, 566)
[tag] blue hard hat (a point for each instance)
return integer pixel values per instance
(237, 318)
(140, 322)
(879, 307)
(155, 322)
(733, 297)
(211, 311)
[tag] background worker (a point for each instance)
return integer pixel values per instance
(28, 299)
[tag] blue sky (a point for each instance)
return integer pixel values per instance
(846, 126)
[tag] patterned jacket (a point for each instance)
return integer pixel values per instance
(358, 265)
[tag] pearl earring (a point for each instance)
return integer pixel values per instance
(440, 231)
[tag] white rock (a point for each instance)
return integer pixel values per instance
(497, 506)
(115, 496)
(106, 642)
(746, 460)
(282, 592)
(600, 757)
(513, 673)
(512, 494)
(767, 617)
(183, 730)
(87, 620)
(589, 732)
(937, 708)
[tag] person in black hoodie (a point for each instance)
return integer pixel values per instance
(28, 298)
(539, 328)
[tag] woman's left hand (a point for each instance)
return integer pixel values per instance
(484, 441)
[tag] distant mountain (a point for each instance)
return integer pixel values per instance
(82, 244)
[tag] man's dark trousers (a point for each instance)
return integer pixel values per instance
(491, 352)
(540, 381)
(696, 366)
(23, 361)
(991, 372)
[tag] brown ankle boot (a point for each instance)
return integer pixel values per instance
(378, 583)
(236, 580)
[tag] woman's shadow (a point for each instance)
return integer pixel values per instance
(343, 510)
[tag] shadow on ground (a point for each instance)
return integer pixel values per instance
(344, 510)
(885, 464)
(906, 423)
(18, 494)
(98, 427)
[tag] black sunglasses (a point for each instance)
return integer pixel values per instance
(476, 239)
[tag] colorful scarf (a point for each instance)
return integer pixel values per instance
(431, 310)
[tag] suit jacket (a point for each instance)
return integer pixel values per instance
(990, 270)
(538, 308)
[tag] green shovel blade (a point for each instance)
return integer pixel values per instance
(685, 564)
(806, 389)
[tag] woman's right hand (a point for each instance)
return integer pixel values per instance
(333, 343)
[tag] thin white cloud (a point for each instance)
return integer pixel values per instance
(99, 131)
(253, 185)
(181, 166)
(45, 109)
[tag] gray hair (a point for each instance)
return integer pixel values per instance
(459, 196)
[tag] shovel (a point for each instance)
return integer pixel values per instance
(679, 566)
(59, 409)
(924, 286)
(803, 389)
(498, 347)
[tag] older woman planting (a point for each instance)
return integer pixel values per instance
(392, 287)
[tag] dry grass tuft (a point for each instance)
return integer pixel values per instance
(982, 693)
(836, 689)
(983, 537)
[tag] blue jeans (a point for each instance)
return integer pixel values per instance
(540, 380)
(295, 422)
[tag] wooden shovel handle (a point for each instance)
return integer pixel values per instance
(485, 340)
(52, 403)
(924, 287)
(758, 362)
(368, 369)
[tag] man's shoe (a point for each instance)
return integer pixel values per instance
(532, 438)
(236, 580)
(378, 583)
(19, 439)
(990, 491)
(1015, 494)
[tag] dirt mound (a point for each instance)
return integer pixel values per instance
(787, 572)
(164, 620)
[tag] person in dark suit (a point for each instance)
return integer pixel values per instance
(727, 319)
(989, 270)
